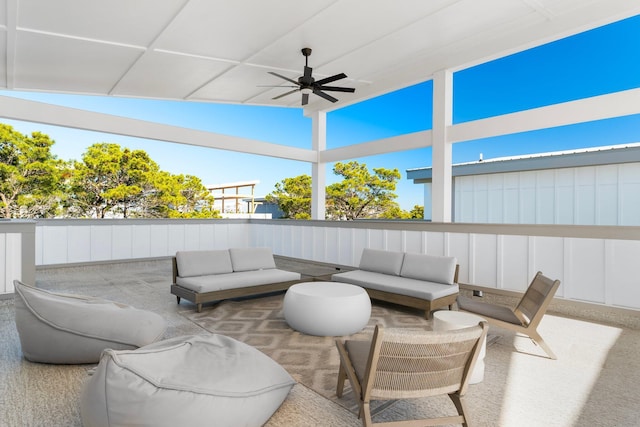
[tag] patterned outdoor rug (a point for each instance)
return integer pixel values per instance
(311, 360)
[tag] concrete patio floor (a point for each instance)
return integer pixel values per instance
(594, 382)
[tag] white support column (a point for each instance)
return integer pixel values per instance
(441, 148)
(318, 170)
(428, 211)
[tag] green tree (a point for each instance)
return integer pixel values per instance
(293, 197)
(111, 179)
(30, 175)
(178, 196)
(417, 212)
(361, 194)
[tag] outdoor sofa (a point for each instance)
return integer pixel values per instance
(214, 275)
(422, 281)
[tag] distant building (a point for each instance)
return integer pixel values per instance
(593, 186)
(230, 197)
(263, 207)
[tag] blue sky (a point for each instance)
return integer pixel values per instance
(599, 61)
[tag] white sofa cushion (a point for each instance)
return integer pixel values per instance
(397, 285)
(245, 259)
(431, 268)
(239, 279)
(202, 263)
(185, 381)
(386, 262)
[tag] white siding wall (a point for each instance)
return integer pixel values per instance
(10, 260)
(598, 269)
(17, 240)
(71, 242)
(590, 195)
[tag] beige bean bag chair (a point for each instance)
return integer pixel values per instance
(72, 329)
(192, 380)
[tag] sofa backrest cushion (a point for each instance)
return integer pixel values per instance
(386, 262)
(432, 268)
(203, 263)
(246, 259)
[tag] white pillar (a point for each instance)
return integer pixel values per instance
(318, 170)
(441, 149)
(427, 215)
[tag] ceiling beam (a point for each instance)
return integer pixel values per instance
(39, 112)
(601, 107)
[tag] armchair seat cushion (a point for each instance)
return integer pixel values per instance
(489, 310)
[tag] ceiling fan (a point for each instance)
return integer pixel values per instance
(307, 84)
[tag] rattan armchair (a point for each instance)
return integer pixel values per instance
(527, 315)
(407, 363)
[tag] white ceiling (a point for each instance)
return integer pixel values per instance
(222, 50)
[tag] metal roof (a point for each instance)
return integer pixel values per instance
(594, 156)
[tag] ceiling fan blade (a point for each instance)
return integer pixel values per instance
(305, 98)
(325, 96)
(286, 93)
(331, 79)
(276, 86)
(283, 77)
(336, 88)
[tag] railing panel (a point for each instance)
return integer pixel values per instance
(512, 262)
(141, 241)
(484, 260)
(17, 254)
(122, 242)
(79, 244)
(595, 264)
(547, 254)
(55, 246)
(393, 240)
(206, 237)
(101, 242)
(586, 270)
(623, 280)
(413, 241)
(434, 242)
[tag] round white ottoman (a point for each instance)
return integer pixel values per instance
(327, 308)
(447, 320)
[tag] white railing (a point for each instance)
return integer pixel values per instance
(595, 264)
(16, 253)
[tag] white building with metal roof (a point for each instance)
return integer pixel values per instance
(592, 186)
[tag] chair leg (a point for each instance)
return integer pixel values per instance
(342, 375)
(365, 411)
(537, 339)
(461, 406)
(178, 298)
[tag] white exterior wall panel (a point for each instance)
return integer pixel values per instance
(588, 195)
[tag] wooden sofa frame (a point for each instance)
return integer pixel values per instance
(200, 298)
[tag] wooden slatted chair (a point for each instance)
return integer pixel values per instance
(406, 363)
(526, 317)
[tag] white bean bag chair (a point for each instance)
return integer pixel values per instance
(73, 329)
(185, 381)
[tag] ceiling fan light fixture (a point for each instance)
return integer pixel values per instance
(306, 91)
